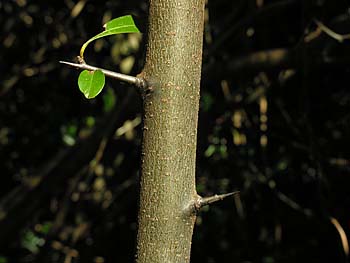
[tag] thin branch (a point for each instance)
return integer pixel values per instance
(292, 204)
(264, 60)
(342, 235)
(233, 27)
(99, 154)
(138, 82)
(339, 37)
(24, 201)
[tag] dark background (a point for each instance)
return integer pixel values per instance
(274, 124)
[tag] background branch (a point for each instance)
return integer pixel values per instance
(22, 203)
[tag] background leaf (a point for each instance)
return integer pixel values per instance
(120, 25)
(91, 83)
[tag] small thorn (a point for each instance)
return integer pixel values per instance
(69, 63)
(212, 199)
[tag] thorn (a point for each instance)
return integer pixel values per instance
(71, 64)
(203, 201)
(212, 199)
(138, 82)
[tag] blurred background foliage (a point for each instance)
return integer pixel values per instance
(274, 124)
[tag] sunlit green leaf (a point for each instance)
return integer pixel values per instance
(90, 121)
(126, 64)
(123, 21)
(69, 133)
(124, 24)
(223, 151)
(45, 228)
(210, 150)
(91, 83)
(32, 242)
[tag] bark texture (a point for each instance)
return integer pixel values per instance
(167, 187)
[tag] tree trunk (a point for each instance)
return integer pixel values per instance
(167, 187)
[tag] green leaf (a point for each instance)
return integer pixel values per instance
(45, 228)
(123, 24)
(91, 83)
(120, 22)
(32, 242)
(210, 150)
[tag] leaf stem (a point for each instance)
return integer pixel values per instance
(138, 82)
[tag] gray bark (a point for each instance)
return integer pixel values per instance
(167, 187)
